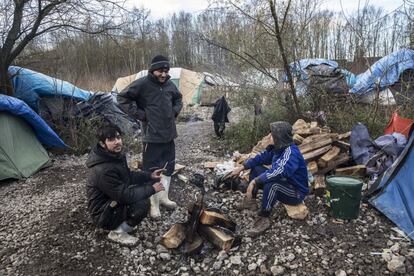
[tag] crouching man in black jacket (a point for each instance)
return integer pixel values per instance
(117, 197)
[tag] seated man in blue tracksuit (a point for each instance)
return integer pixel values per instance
(286, 181)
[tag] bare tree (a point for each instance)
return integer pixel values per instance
(24, 20)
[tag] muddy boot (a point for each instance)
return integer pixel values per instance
(122, 237)
(155, 206)
(247, 204)
(164, 200)
(259, 226)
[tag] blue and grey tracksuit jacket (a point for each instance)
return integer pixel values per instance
(287, 164)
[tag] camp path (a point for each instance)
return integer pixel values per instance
(45, 229)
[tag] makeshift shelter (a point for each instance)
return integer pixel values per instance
(21, 154)
(392, 76)
(393, 192)
(30, 86)
(196, 88)
(385, 72)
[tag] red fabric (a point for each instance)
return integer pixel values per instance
(399, 124)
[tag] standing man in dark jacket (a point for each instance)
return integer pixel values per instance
(117, 197)
(219, 117)
(156, 102)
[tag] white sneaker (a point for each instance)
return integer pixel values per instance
(122, 237)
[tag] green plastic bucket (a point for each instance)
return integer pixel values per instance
(343, 196)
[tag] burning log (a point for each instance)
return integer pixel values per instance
(219, 237)
(215, 218)
(194, 246)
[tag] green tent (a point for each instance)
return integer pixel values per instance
(21, 154)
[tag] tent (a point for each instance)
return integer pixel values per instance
(195, 87)
(21, 154)
(43, 132)
(393, 192)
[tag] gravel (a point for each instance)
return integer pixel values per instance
(45, 229)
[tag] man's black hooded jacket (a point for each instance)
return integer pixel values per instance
(112, 186)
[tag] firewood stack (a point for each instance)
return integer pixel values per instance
(323, 150)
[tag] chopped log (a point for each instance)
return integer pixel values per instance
(318, 137)
(315, 130)
(313, 124)
(211, 165)
(343, 145)
(313, 167)
(178, 168)
(297, 139)
(313, 146)
(344, 135)
(316, 153)
(297, 211)
(221, 239)
(339, 160)
(174, 237)
(303, 131)
(300, 124)
(319, 185)
(214, 218)
(192, 247)
(329, 156)
(262, 144)
(358, 170)
(325, 129)
(182, 178)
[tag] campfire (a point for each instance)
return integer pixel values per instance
(204, 224)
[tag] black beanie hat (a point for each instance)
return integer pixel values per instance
(159, 62)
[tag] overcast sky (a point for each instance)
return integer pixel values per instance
(164, 8)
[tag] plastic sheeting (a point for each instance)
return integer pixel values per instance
(393, 193)
(29, 86)
(384, 72)
(298, 67)
(43, 132)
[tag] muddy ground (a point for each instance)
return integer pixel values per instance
(45, 229)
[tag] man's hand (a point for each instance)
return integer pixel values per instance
(236, 171)
(249, 191)
(158, 187)
(157, 173)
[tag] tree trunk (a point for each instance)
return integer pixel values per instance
(6, 86)
(285, 62)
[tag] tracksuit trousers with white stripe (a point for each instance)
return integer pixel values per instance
(281, 190)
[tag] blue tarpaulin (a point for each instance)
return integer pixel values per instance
(29, 85)
(384, 72)
(43, 132)
(298, 67)
(393, 193)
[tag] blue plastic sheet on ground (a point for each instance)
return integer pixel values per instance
(384, 72)
(30, 85)
(43, 132)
